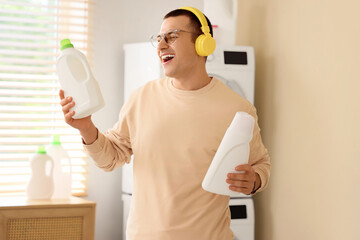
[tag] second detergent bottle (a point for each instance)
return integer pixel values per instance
(62, 169)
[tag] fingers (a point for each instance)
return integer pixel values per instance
(238, 176)
(244, 190)
(240, 183)
(68, 116)
(65, 100)
(61, 94)
(243, 180)
(243, 167)
(67, 106)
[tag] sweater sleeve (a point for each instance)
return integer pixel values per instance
(259, 157)
(113, 148)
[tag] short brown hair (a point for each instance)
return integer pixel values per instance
(194, 21)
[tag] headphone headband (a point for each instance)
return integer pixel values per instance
(204, 26)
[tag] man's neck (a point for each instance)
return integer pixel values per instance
(193, 82)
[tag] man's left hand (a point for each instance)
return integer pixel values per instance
(243, 181)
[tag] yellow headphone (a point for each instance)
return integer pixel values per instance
(205, 43)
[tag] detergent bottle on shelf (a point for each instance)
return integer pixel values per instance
(233, 150)
(62, 169)
(41, 184)
(77, 80)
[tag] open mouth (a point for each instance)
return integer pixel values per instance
(167, 58)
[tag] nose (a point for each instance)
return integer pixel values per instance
(162, 44)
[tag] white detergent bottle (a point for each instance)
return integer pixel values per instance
(62, 169)
(77, 81)
(233, 150)
(41, 184)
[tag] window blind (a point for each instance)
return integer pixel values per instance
(30, 113)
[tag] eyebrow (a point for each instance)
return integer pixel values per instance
(171, 29)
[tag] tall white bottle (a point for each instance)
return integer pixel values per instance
(62, 169)
(41, 184)
(233, 150)
(77, 81)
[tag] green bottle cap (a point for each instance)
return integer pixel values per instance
(65, 43)
(41, 150)
(56, 139)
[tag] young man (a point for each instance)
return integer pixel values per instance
(173, 127)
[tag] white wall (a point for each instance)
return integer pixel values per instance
(113, 24)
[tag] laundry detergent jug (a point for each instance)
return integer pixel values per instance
(62, 169)
(41, 184)
(233, 150)
(77, 80)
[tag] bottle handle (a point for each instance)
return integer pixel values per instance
(51, 171)
(70, 166)
(86, 66)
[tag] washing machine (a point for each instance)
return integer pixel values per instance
(235, 66)
(242, 222)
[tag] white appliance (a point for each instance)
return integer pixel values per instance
(141, 65)
(242, 218)
(126, 198)
(235, 66)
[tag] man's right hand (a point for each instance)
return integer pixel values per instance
(86, 127)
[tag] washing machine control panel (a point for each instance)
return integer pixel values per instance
(232, 57)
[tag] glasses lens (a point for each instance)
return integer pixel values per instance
(170, 37)
(155, 39)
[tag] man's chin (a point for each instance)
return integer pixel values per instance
(169, 74)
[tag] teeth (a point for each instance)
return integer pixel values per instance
(167, 56)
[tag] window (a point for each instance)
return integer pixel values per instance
(30, 34)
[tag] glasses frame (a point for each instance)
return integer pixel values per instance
(154, 38)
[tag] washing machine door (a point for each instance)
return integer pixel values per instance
(231, 84)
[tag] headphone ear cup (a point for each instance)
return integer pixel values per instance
(205, 45)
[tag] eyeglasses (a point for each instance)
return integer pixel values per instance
(169, 36)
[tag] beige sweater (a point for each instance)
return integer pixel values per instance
(173, 135)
